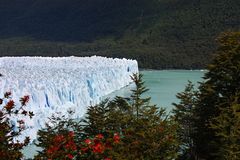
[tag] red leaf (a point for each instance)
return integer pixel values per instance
(10, 105)
(70, 156)
(116, 138)
(99, 136)
(24, 100)
(88, 141)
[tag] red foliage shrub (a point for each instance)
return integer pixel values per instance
(66, 147)
(9, 147)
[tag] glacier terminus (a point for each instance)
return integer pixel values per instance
(60, 84)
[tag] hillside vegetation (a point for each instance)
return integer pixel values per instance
(158, 33)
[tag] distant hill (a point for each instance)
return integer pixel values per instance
(158, 33)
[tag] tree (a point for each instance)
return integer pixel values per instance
(222, 83)
(227, 128)
(183, 114)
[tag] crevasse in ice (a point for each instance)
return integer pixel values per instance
(59, 84)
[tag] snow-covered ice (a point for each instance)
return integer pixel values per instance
(56, 85)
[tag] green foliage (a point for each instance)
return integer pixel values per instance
(221, 84)
(227, 128)
(96, 119)
(215, 115)
(10, 148)
(139, 104)
(183, 114)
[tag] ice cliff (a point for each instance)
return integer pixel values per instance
(56, 85)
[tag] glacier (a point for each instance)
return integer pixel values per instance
(57, 85)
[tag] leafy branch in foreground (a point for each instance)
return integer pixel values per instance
(10, 147)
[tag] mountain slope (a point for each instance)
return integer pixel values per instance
(158, 33)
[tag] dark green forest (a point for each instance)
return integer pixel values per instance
(160, 34)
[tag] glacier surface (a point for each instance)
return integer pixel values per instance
(57, 85)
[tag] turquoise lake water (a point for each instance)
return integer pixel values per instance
(163, 85)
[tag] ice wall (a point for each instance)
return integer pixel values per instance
(56, 85)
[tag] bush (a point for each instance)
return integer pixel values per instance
(64, 138)
(9, 145)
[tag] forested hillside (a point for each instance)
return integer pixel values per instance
(158, 33)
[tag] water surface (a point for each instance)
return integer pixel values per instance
(163, 85)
